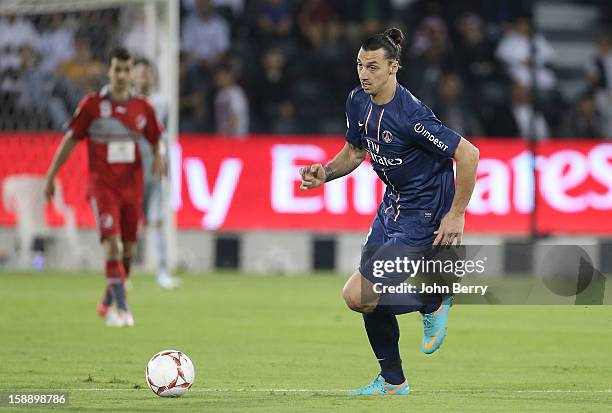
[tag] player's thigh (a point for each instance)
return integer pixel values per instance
(130, 217)
(153, 207)
(377, 237)
(107, 213)
(129, 248)
(113, 247)
(358, 292)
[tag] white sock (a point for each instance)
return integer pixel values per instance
(161, 249)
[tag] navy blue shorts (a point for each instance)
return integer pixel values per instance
(407, 235)
(409, 232)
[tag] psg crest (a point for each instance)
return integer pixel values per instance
(387, 137)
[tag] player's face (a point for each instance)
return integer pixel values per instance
(375, 70)
(120, 74)
(143, 77)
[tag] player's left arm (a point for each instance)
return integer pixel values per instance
(451, 227)
(152, 132)
(160, 166)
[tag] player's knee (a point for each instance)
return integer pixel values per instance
(114, 247)
(129, 249)
(354, 300)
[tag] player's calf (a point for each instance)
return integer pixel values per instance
(129, 250)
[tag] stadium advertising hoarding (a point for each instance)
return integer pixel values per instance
(229, 184)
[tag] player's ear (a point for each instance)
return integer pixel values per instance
(394, 67)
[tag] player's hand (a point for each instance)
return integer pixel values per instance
(451, 229)
(160, 167)
(49, 188)
(312, 176)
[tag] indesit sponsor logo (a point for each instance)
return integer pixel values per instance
(420, 129)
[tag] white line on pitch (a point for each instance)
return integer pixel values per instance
(255, 390)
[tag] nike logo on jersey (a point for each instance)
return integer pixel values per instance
(360, 124)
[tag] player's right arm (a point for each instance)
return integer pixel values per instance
(61, 155)
(77, 129)
(345, 162)
(348, 159)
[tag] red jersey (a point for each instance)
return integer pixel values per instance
(112, 129)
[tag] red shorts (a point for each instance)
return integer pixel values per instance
(116, 215)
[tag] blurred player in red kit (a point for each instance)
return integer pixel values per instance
(112, 121)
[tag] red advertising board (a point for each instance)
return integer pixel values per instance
(227, 184)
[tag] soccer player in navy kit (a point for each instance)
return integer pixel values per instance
(411, 152)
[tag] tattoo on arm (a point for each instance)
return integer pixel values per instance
(329, 173)
(344, 163)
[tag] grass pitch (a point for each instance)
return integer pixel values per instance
(288, 344)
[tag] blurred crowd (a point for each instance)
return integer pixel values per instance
(286, 66)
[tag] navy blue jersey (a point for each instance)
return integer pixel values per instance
(410, 150)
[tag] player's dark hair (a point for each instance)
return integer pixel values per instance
(119, 53)
(391, 41)
(142, 61)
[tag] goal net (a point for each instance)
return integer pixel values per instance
(53, 52)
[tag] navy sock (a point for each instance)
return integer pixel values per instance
(383, 333)
(108, 297)
(115, 275)
(117, 289)
(408, 303)
(127, 264)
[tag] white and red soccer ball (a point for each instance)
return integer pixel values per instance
(170, 373)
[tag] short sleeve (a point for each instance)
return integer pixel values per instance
(353, 135)
(82, 118)
(153, 129)
(433, 136)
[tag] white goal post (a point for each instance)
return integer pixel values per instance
(161, 34)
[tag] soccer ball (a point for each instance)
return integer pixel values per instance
(170, 373)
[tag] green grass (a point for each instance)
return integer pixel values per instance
(249, 337)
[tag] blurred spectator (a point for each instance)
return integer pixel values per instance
(271, 90)
(231, 105)
(374, 13)
(237, 6)
(36, 90)
(205, 36)
(520, 118)
(599, 69)
(599, 73)
(583, 120)
(453, 109)
(56, 42)
(474, 53)
(318, 22)
(82, 70)
(524, 52)
(136, 39)
(363, 16)
(15, 33)
(194, 110)
(274, 20)
(431, 53)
